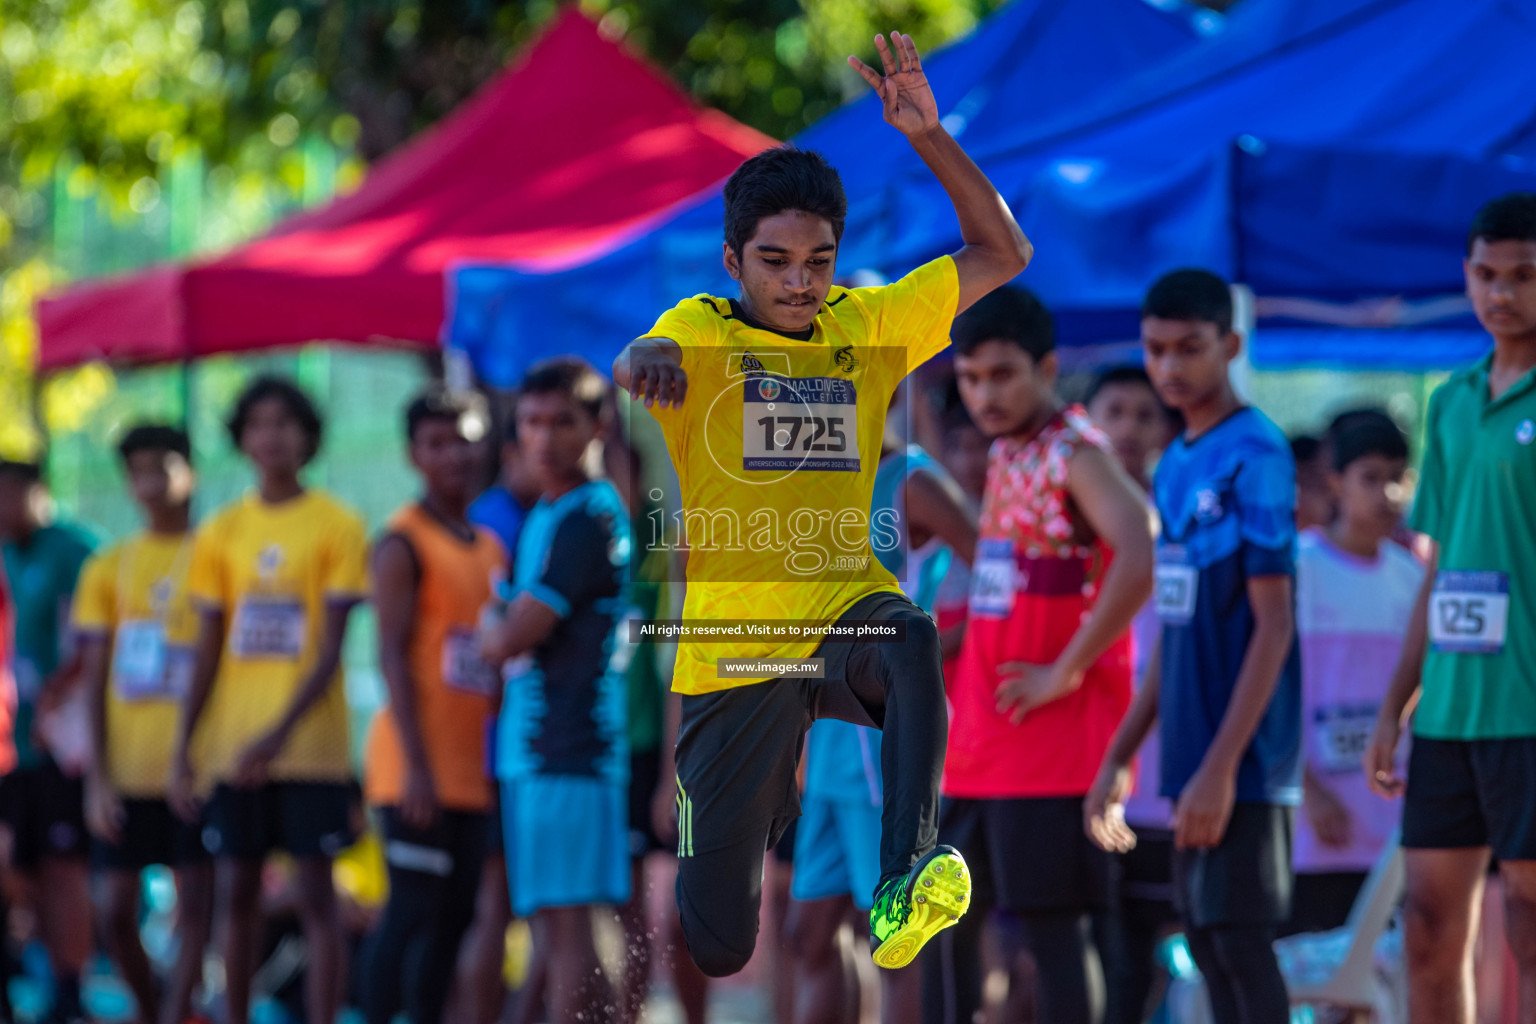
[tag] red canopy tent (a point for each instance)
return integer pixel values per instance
(570, 149)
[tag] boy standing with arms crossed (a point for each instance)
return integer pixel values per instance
(1226, 680)
(563, 750)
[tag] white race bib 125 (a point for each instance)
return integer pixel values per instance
(790, 423)
(1469, 611)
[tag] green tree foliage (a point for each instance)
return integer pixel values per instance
(189, 124)
(396, 65)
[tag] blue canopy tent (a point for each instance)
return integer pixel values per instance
(1032, 56)
(1403, 307)
(1401, 115)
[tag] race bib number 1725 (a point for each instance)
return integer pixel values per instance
(790, 423)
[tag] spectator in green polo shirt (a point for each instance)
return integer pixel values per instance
(1470, 654)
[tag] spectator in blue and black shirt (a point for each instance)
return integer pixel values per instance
(1226, 681)
(563, 754)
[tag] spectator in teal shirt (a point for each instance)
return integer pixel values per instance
(43, 807)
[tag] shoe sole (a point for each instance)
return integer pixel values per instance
(940, 895)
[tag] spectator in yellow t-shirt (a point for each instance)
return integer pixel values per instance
(136, 627)
(275, 576)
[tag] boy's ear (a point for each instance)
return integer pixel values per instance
(1047, 367)
(732, 261)
(1232, 345)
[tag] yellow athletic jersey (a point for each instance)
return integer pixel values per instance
(272, 570)
(776, 447)
(134, 595)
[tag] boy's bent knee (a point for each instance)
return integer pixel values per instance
(717, 955)
(922, 639)
(715, 960)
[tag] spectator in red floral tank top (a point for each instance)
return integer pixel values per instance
(1063, 563)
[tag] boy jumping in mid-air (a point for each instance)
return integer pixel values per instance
(773, 405)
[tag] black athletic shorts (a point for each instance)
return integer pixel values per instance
(644, 777)
(1471, 793)
(457, 840)
(1322, 901)
(784, 849)
(1247, 878)
(303, 819)
(151, 833)
(1146, 871)
(1028, 854)
(45, 811)
(738, 749)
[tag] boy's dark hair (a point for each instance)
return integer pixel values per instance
(1361, 432)
(31, 472)
(953, 415)
(438, 403)
(1127, 374)
(295, 401)
(568, 375)
(1509, 218)
(1011, 314)
(1190, 294)
(779, 179)
(155, 437)
(1305, 449)
(1130, 373)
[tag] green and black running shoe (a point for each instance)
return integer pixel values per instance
(911, 909)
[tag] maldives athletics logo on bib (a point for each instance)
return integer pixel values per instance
(768, 389)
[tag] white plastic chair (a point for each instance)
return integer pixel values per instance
(1338, 968)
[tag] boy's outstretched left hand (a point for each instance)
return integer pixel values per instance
(1204, 809)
